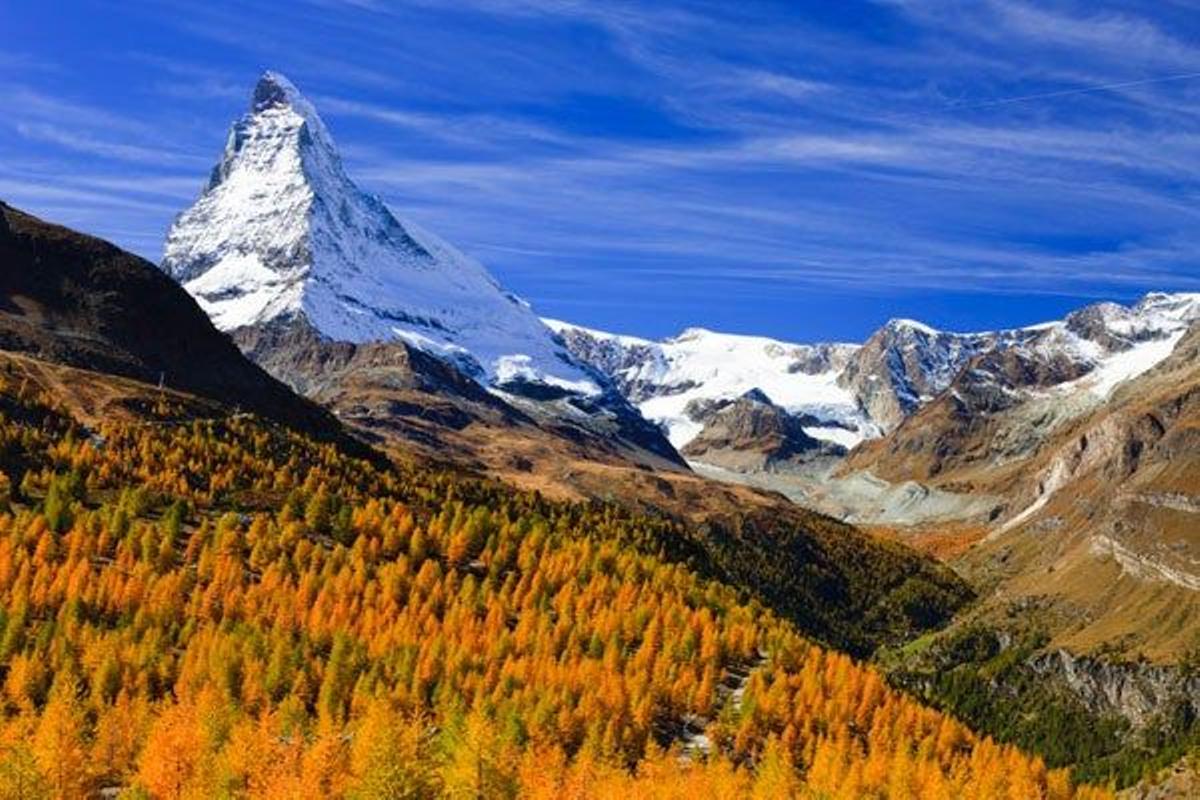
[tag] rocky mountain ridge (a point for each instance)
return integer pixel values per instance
(853, 394)
(752, 433)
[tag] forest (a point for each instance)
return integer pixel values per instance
(225, 608)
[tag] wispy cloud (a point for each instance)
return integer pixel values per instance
(592, 149)
(90, 145)
(1096, 32)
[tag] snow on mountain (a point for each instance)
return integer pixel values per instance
(662, 378)
(1131, 340)
(904, 365)
(281, 232)
(859, 392)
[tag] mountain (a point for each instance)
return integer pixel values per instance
(1007, 401)
(314, 278)
(1073, 458)
(76, 300)
(751, 433)
(868, 398)
(905, 364)
(665, 379)
(281, 232)
(1086, 635)
(1100, 523)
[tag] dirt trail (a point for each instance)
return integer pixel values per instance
(730, 690)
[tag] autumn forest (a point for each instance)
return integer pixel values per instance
(226, 608)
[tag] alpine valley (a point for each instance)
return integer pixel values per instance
(358, 522)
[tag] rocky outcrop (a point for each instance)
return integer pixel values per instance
(906, 364)
(623, 359)
(1137, 692)
(394, 390)
(751, 433)
(313, 365)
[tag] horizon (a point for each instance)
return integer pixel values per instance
(805, 179)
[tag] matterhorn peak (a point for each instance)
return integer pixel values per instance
(273, 89)
(281, 233)
(274, 93)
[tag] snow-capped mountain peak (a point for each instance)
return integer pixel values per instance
(857, 392)
(911, 326)
(280, 232)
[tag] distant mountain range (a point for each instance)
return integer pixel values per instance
(287, 254)
(845, 394)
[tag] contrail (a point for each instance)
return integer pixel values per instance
(1082, 90)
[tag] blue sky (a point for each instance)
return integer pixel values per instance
(799, 169)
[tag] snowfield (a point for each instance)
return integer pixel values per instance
(702, 365)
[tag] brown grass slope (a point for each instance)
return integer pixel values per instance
(1099, 536)
(1113, 543)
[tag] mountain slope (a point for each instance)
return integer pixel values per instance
(77, 300)
(1084, 641)
(228, 608)
(393, 392)
(73, 300)
(1113, 493)
(280, 231)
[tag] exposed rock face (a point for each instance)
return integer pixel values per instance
(906, 364)
(316, 366)
(967, 418)
(1000, 379)
(1136, 692)
(1011, 400)
(965, 427)
(854, 394)
(751, 432)
(625, 360)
